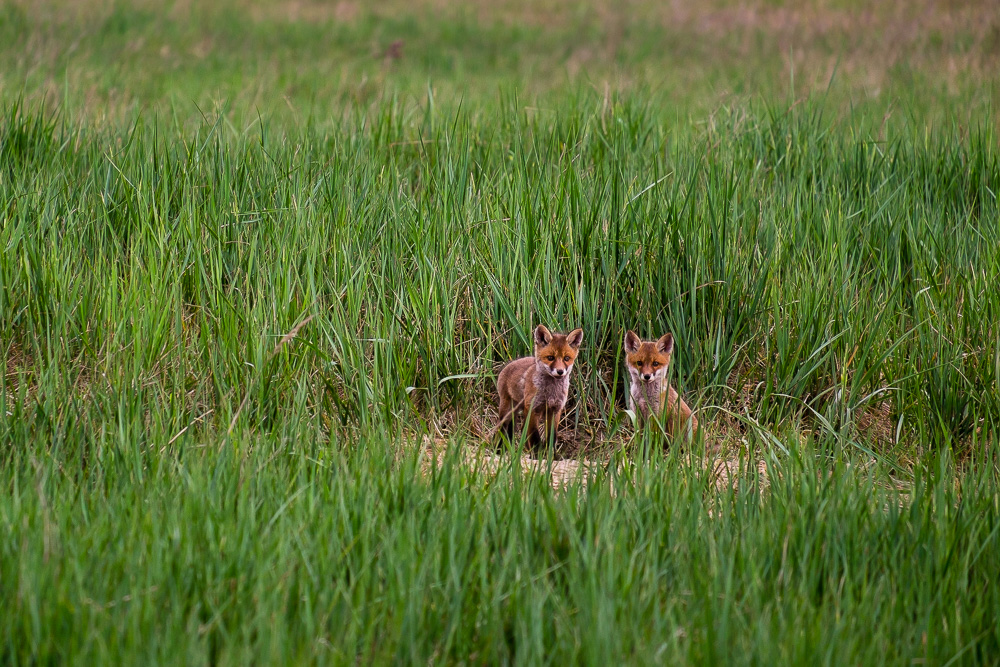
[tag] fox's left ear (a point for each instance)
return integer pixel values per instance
(666, 344)
(575, 338)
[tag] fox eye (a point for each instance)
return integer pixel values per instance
(566, 359)
(551, 358)
(655, 364)
(638, 364)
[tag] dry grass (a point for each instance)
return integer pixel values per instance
(871, 35)
(718, 48)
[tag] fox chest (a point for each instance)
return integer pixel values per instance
(647, 400)
(549, 394)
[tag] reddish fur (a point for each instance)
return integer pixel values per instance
(655, 394)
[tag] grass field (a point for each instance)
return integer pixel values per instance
(261, 262)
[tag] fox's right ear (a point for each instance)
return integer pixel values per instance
(542, 336)
(631, 342)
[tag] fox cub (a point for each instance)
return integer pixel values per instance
(650, 392)
(538, 385)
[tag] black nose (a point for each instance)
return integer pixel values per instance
(560, 371)
(648, 375)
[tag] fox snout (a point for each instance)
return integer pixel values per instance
(558, 368)
(647, 376)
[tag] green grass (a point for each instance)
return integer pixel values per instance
(233, 336)
(287, 549)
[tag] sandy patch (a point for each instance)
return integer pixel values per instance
(725, 470)
(563, 472)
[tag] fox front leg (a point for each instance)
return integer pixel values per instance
(552, 427)
(537, 426)
(545, 426)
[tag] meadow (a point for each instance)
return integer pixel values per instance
(260, 264)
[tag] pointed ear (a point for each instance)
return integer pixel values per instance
(666, 344)
(631, 342)
(542, 336)
(575, 338)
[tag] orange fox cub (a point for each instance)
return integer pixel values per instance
(539, 385)
(650, 392)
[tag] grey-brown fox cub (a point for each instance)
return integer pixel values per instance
(538, 385)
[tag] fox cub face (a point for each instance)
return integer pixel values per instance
(555, 353)
(647, 361)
